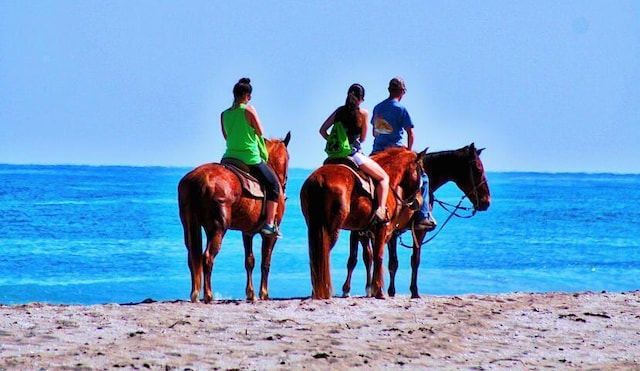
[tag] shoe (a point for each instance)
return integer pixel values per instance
(427, 224)
(270, 230)
(382, 215)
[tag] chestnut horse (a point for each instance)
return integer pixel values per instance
(463, 167)
(211, 197)
(332, 199)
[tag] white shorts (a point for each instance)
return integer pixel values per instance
(359, 158)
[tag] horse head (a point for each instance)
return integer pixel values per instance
(279, 157)
(462, 166)
(479, 195)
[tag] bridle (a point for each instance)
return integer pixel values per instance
(446, 206)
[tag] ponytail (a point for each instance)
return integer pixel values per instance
(348, 114)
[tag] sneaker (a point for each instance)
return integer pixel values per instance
(382, 215)
(427, 224)
(270, 230)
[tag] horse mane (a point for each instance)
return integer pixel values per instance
(461, 153)
(395, 161)
(279, 157)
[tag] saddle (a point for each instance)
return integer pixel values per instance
(365, 181)
(250, 185)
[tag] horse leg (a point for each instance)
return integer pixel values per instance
(378, 254)
(267, 249)
(214, 242)
(249, 264)
(351, 263)
(393, 264)
(367, 258)
(415, 263)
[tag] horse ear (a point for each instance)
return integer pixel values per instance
(480, 151)
(422, 155)
(286, 139)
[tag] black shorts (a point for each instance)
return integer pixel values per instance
(266, 176)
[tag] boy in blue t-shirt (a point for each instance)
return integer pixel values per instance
(390, 120)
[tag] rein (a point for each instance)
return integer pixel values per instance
(446, 206)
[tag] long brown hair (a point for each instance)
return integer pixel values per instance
(348, 114)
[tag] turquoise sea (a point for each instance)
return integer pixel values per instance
(86, 235)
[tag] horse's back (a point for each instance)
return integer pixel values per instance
(331, 192)
(206, 190)
(208, 175)
(329, 180)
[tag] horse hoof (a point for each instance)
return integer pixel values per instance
(346, 295)
(369, 291)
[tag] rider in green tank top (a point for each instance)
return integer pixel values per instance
(242, 140)
(243, 132)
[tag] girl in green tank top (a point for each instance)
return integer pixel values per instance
(242, 139)
(243, 133)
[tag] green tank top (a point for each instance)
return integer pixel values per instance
(242, 140)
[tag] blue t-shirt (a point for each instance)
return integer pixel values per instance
(390, 119)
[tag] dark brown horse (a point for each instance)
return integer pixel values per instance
(465, 169)
(332, 199)
(211, 197)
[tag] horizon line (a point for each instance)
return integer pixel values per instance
(594, 172)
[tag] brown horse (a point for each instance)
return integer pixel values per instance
(463, 167)
(332, 199)
(211, 197)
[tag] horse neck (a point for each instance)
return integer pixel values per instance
(398, 175)
(443, 167)
(279, 163)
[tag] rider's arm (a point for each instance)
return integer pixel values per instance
(253, 120)
(224, 133)
(327, 124)
(410, 137)
(364, 122)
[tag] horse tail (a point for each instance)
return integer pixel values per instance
(313, 202)
(188, 214)
(188, 205)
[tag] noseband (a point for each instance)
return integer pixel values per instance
(474, 189)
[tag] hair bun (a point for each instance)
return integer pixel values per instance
(244, 80)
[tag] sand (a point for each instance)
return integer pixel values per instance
(481, 332)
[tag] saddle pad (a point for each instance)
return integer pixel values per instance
(365, 181)
(250, 184)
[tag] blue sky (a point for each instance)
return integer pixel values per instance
(543, 85)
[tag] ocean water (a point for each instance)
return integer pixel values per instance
(87, 235)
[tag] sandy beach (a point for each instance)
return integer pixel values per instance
(508, 331)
